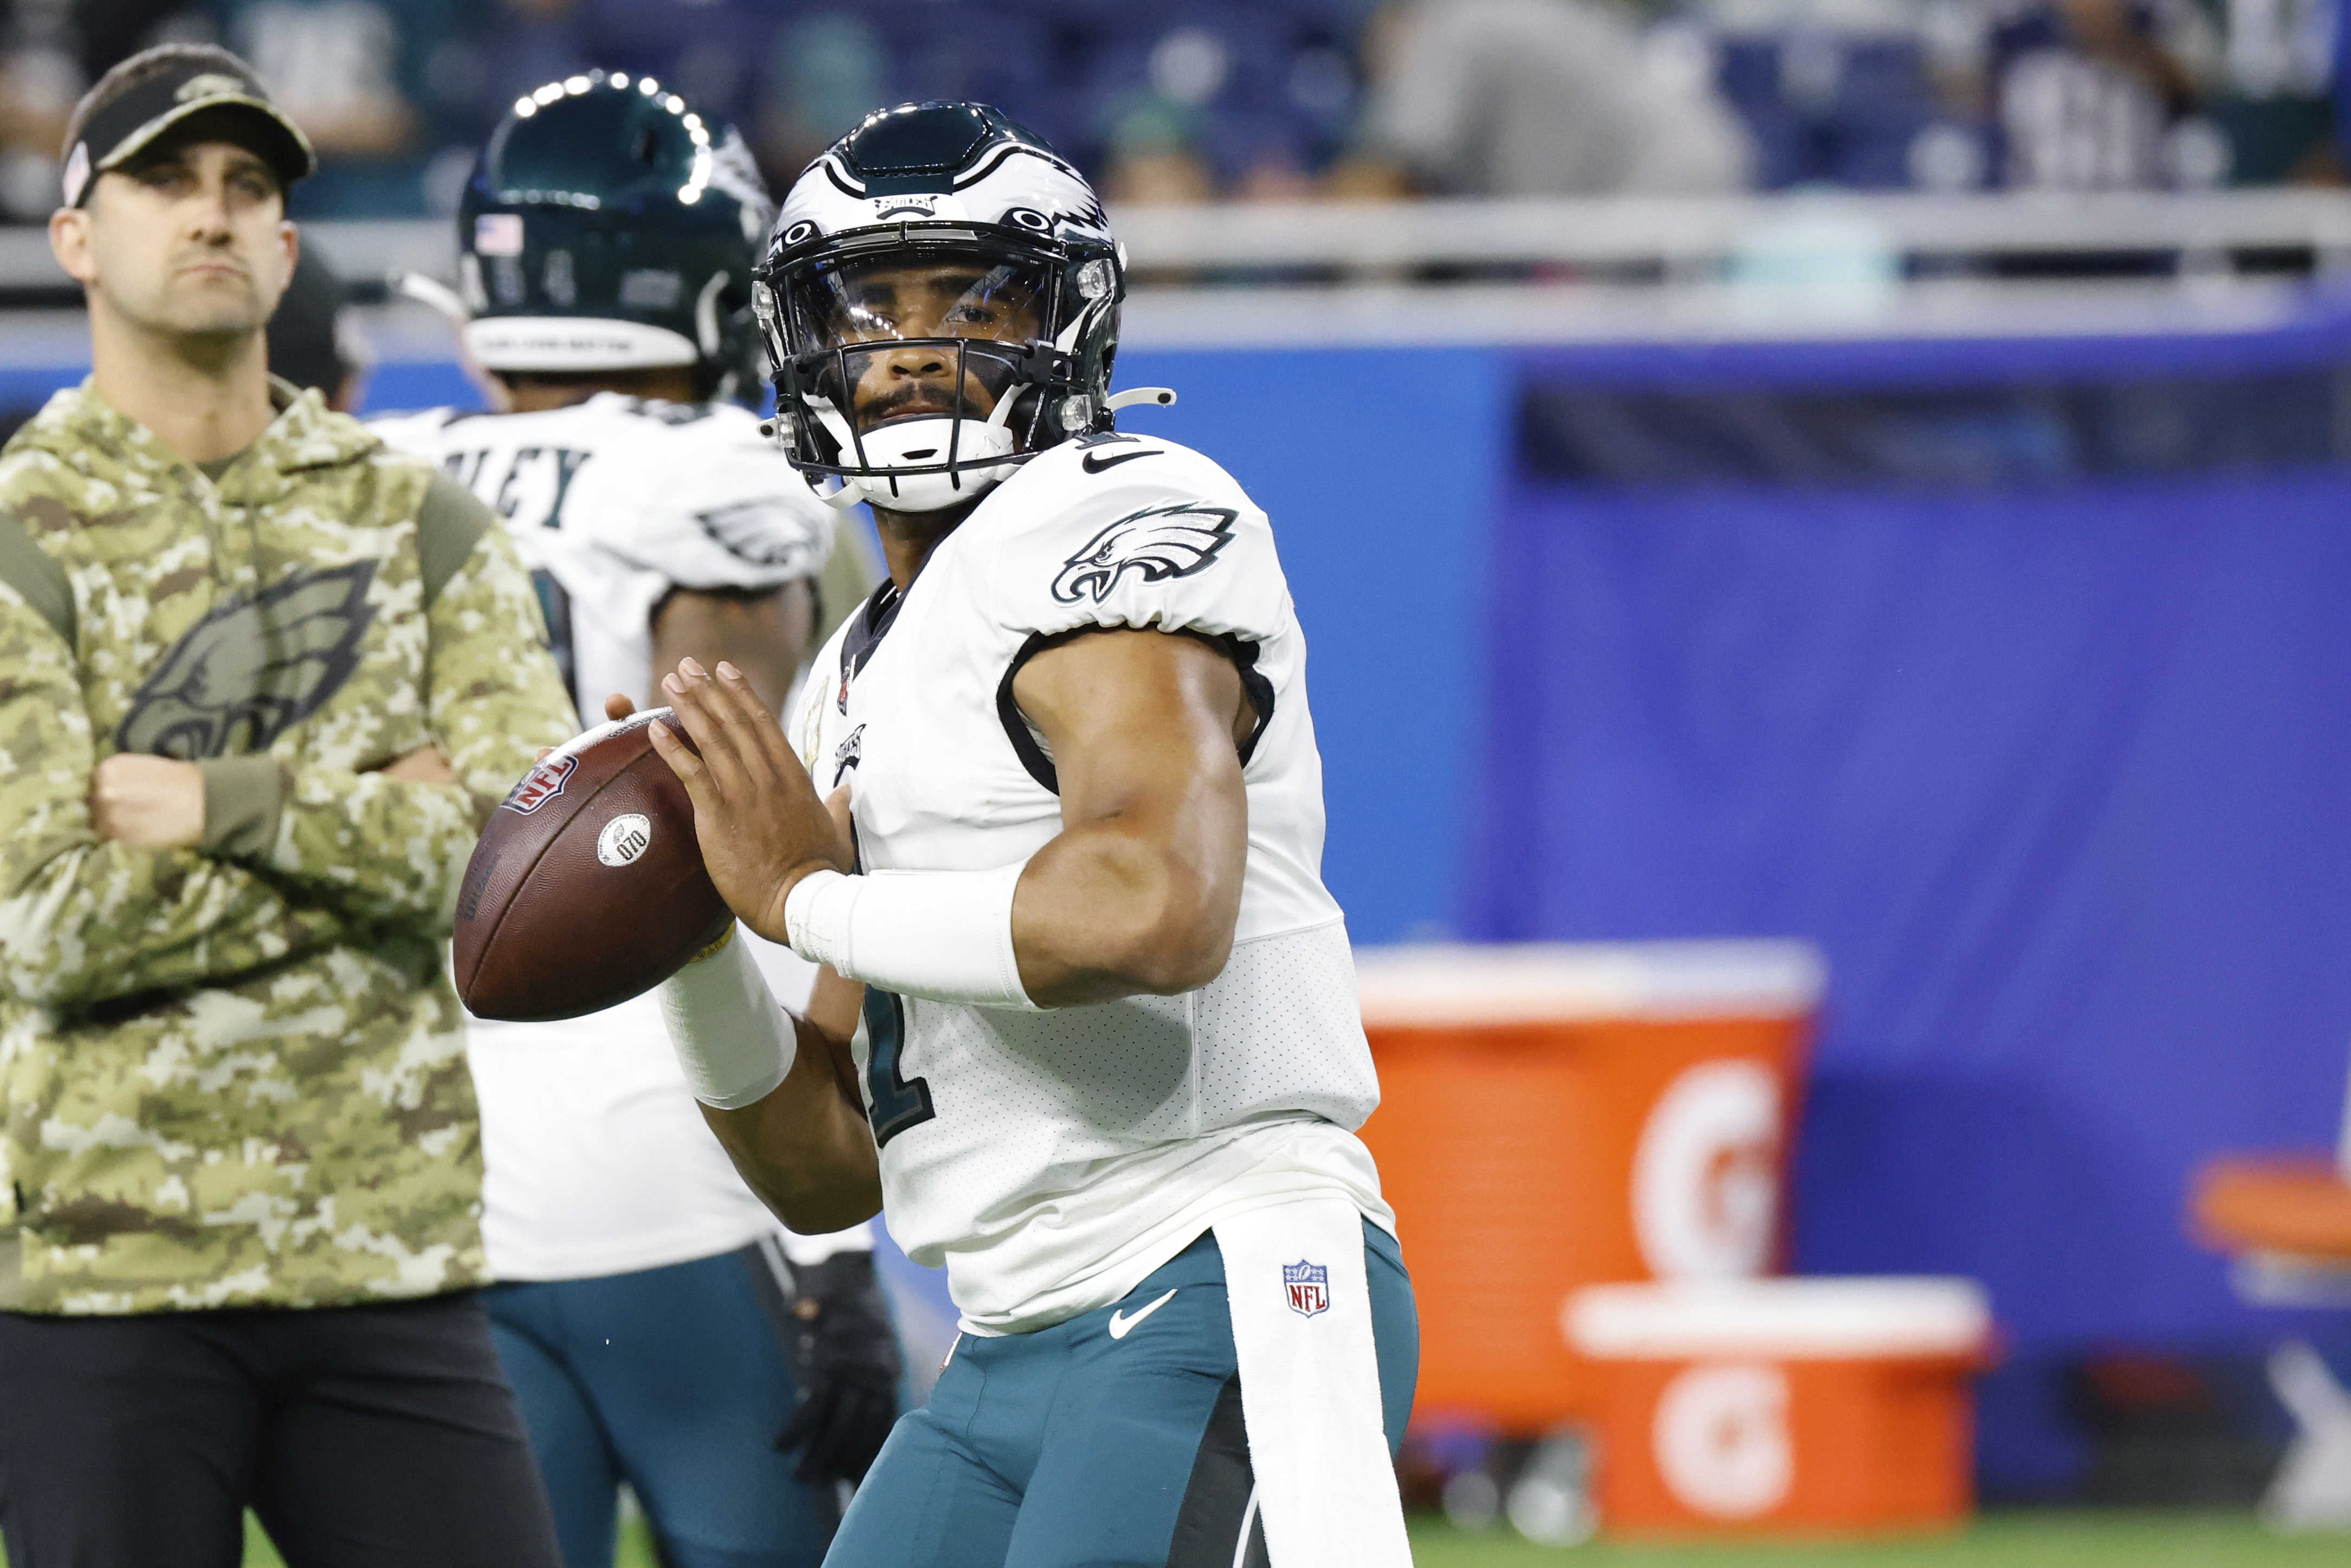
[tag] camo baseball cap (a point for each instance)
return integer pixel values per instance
(171, 84)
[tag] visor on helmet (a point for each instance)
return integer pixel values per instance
(921, 294)
(916, 362)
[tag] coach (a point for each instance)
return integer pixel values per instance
(260, 679)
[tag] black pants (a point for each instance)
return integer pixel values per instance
(380, 1437)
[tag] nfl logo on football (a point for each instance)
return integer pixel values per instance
(540, 785)
(1310, 1287)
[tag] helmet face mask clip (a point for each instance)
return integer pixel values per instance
(941, 304)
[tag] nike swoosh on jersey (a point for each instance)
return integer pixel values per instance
(1120, 1325)
(1094, 463)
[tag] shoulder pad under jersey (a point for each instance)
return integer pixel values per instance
(1133, 531)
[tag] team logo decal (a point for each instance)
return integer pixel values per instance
(847, 755)
(253, 668)
(211, 84)
(1159, 542)
(624, 838)
(915, 204)
(540, 785)
(1309, 1285)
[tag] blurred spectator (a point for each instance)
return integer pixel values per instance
(519, 46)
(109, 31)
(2272, 95)
(369, 81)
(2091, 95)
(1251, 101)
(707, 51)
(1540, 98)
(1872, 95)
(315, 339)
(824, 72)
(40, 77)
(1283, 99)
(1154, 159)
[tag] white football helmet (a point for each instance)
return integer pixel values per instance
(941, 302)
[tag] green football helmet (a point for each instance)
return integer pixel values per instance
(608, 226)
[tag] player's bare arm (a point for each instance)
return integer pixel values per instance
(1139, 892)
(763, 633)
(805, 1149)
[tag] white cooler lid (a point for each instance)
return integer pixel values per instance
(1816, 1319)
(1440, 984)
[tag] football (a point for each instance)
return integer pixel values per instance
(587, 887)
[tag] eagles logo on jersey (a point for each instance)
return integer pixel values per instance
(1159, 542)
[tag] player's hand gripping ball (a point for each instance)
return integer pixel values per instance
(763, 825)
(587, 886)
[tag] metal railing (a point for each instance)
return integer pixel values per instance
(1675, 236)
(1667, 239)
(1562, 270)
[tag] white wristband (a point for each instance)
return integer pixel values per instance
(945, 935)
(734, 1043)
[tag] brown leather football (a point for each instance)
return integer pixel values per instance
(587, 887)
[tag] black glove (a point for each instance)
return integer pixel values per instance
(844, 1358)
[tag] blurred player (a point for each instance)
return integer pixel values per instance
(1106, 1061)
(315, 341)
(263, 679)
(668, 1330)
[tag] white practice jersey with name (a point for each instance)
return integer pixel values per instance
(1052, 1159)
(615, 501)
(597, 1159)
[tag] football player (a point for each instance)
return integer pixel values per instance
(660, 1327)
(1087, 1026)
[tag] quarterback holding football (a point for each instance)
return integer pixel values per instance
(1051, 821)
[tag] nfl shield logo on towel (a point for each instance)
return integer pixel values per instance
(1310, 1287)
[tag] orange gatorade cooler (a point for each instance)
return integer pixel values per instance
(1783, 1406)
(1557, 1115)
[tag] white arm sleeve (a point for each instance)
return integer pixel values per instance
(732, 1039)
(810, 1250)
(945, 935)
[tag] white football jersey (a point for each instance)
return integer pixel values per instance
(1052, 1159)
(597, 1160)
(615, 501)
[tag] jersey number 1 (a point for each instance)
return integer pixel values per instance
(898, 1103)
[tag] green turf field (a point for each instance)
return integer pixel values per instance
(2035, 1538)
(2049, 1539)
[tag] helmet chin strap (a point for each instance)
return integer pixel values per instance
(915, 492)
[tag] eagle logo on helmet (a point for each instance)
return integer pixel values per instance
(1159, 542)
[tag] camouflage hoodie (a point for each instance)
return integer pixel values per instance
(235, 1076)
